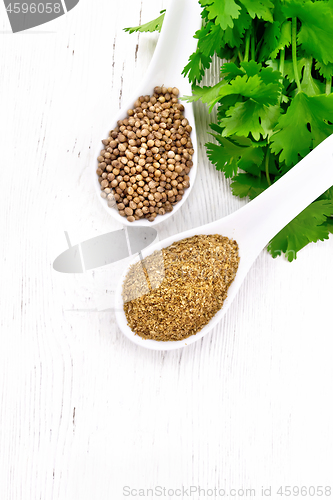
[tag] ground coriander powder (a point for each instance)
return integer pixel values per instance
(173, 293)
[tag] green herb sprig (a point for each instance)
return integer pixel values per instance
(154, 25)
(274, 99)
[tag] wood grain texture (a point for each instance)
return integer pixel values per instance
(84, 412)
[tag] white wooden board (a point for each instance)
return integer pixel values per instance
(84, 412)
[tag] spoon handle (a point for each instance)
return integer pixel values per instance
(285, 199)
(175, 43)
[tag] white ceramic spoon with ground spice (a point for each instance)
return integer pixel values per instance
(174, 46)
(252, 226)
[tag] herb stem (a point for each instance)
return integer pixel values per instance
(253, 46)
(294, 51)
(267, 166)
(240, 57)
(281, 69)
(247, 45)
(281, 66)
(328, 86)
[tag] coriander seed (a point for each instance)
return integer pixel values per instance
(150, 146)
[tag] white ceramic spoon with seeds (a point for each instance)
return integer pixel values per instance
(252, 226)
(175, 45)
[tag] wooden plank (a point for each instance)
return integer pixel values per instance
(83, 411)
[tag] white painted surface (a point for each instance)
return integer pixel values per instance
(84, 412)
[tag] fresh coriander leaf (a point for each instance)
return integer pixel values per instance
(210, 37)
(279, 14)
(225, 104)
(267, 75)
(270, 39)
(325, 70)
(289, 68)
(309, 226)
(221, 160)
(222, 11)
(310, 85)
(284, 39)
(264, 119)
(216, 128)
(195, 69)
(248, 185)
(316, 33)
(229, 156)
(275, 38)
(208, 43)
(154, 25)
(204, 13)
(229, 71)
(252, 68)
(208, 95)
(253, 88)
(307, 122)
(234, 36)
(269, 119)
(204, 30)
(249, 117)
(328, 195)
(226, 53)
(259, 8)
(329, 224)
(246, 142)
(273, 64)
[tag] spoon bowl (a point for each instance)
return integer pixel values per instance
(252, 226)
(174, 46)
